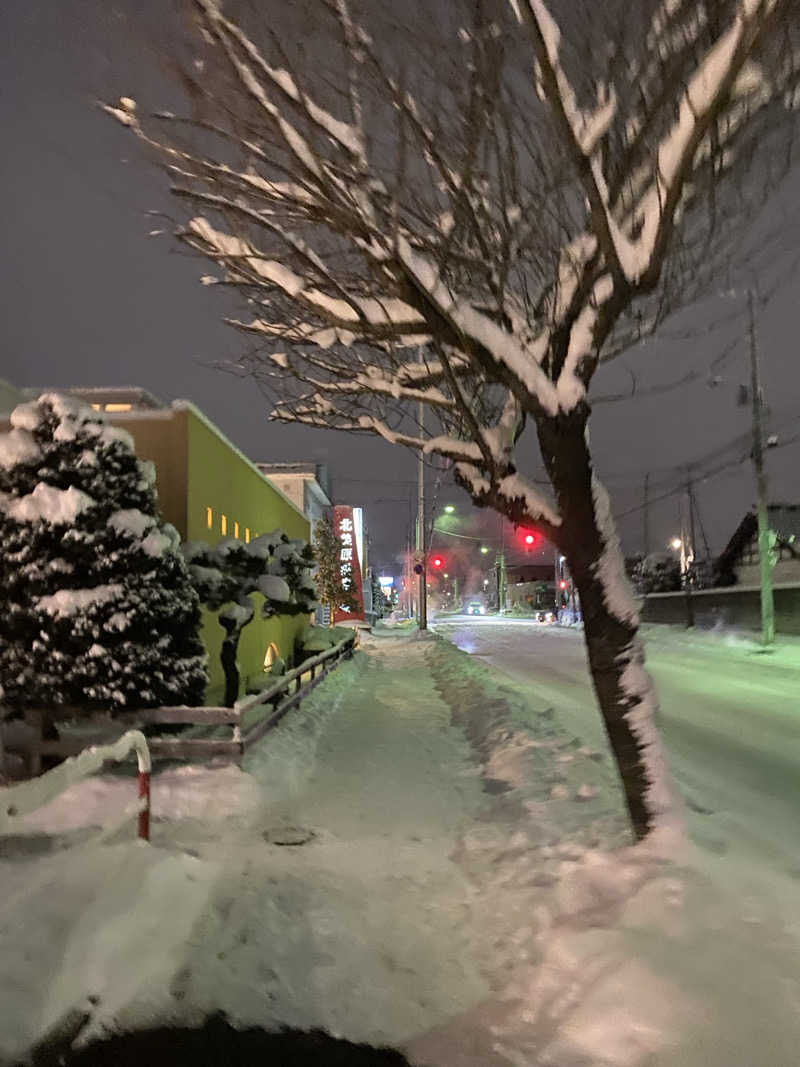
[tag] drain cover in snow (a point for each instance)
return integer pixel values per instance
(289, 835)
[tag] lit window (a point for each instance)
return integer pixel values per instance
(96, 407)
(223, 523)
(209, 517)
(118, 407)
(236, 530)
(247, 534)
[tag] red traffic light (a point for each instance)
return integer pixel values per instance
(529, 539)
(562, 584)
(437, 561)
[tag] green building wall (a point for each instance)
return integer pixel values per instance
(221, 478)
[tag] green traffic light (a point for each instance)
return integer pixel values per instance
(449, 509)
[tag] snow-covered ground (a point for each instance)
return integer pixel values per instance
(469, 893)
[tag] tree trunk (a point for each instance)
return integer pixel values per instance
(229, 659)
(624, 690)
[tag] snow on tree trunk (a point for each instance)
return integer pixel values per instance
(98, 608)
(625, 692)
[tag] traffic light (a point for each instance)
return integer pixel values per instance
(437, 562)
(528, 540)
(562, 584)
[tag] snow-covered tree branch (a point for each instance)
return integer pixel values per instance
(472, 218)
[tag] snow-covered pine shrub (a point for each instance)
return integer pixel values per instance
(96, 606)
(228, 574)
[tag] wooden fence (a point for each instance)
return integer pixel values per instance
(250, 719)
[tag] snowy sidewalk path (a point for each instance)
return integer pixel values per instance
(469, 893)
(364, 930)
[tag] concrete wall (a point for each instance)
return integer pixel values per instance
(785, 572)
(737, 606)
(293, 487)
(161, 437)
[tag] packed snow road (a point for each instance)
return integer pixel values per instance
(730, 718)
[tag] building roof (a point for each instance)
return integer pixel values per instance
(102, 395)
(315, 473)
(784, 520)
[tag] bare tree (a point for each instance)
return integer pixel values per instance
(473, 216)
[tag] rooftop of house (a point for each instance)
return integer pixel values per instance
(784, 520)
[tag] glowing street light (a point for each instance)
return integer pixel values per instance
(484, 550)
(449, 509)
(676, 543)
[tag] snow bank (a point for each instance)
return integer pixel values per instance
(103, 921)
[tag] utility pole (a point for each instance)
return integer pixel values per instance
(688, 554)
(501, 573)
(423, 577)
(646, 516)
(764, 546)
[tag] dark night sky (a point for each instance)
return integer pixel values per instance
(86, 297)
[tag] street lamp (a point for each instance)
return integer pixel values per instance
(449, 509)
(676, 543)
(484, 550)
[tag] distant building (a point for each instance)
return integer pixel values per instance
(307, 485)
(531, 587)
(738, 564)
(10, 396)
(208, 490)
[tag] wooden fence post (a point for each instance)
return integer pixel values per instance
(35, 719)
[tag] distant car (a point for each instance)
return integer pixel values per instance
(475, 608)
(546, 616)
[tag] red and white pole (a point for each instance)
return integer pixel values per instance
(138, 741)
(144, 813)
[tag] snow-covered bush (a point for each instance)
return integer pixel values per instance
(227, 575)
(657, 573)
(97, 607)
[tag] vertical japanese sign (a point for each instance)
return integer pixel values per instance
(349, 564)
